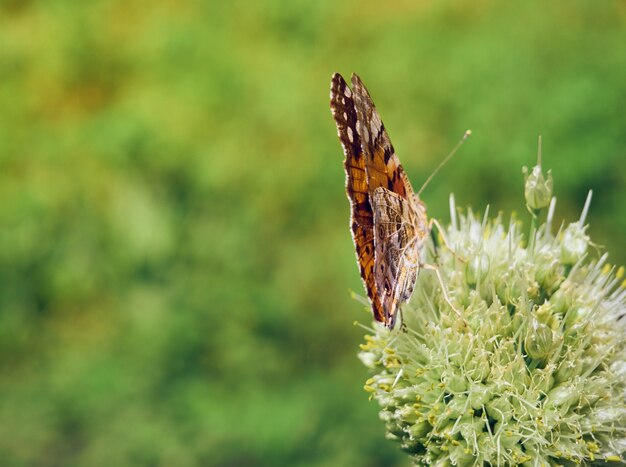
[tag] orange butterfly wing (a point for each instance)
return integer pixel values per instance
(396, 237)
(362, 218)
(388, 259)
(383, 166)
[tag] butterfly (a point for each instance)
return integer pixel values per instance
(388, 220)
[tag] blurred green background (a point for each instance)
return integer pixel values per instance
(175, 257)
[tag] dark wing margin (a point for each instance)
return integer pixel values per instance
(345, 115)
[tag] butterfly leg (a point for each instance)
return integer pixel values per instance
(403, 327)
(444, 289)
(441, 231)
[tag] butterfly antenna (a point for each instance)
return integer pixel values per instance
(443, 162)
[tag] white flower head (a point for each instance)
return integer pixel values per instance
(534, 371)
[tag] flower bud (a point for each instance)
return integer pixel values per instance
(549, 272)
(545, 314)
(454, 383)
(561, 300)
(479, 394)
(477, 268)
(538, 340)
(499, 409)
(537, 189)
(574, 244)
(569, 369)
(420, 429)
(562, 396)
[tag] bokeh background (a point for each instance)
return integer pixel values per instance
(175, 259)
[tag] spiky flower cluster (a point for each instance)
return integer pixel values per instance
(526, 365)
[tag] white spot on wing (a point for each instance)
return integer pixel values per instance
(363, 132)
(350, 135)
(376, 123)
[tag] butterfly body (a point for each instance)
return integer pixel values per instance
(388, 220)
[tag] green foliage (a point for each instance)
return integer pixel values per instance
(174, 248)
